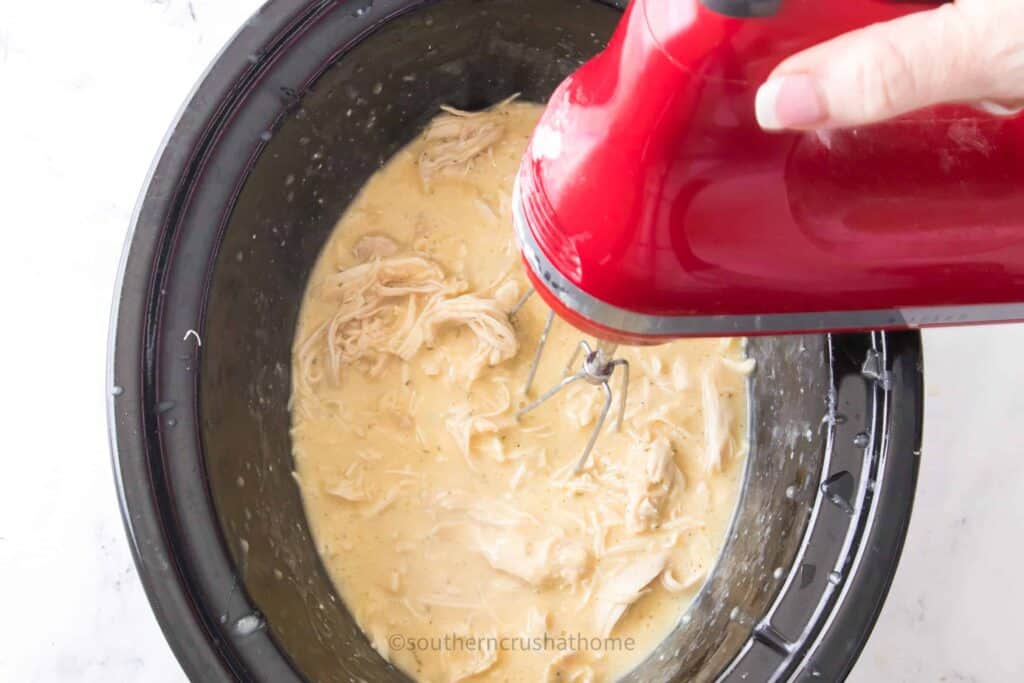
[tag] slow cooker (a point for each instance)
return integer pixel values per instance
(300, 108)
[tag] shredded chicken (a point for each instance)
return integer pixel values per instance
(463, 425)
(537, 622)
(540, 562)
(652, 475)
(484, 317)
(744, 367)
(680, 377)
(492, 513)
(673, 585)
(395, 307)
(569, 667)
(454, 140)
(717, 419)
(351, 488)
(625, 586)
(582, 404)
(370, 247)
(388, 499)
(507, 295)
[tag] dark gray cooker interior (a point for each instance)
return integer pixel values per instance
(374, 99)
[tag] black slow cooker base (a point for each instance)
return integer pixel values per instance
(304, 104)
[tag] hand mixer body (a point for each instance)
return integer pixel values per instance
(650, 205)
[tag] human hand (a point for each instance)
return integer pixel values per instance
(971, 51)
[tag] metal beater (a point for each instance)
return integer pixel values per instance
(598, 366)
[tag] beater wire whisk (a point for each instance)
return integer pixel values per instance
(597, 370)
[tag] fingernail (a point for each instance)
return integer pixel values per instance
(999, 108)
(789, 102)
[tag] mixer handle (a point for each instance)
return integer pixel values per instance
(749, 9)
(743, 9)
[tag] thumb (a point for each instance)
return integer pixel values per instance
(875, 73)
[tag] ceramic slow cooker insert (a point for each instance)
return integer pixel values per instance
(302, 106)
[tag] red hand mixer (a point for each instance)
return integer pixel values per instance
(650, 205)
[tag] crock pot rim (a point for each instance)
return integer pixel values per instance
(202, 654)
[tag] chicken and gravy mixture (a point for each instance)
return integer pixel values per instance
(460, 538)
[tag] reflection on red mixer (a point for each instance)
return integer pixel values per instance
(651, 205)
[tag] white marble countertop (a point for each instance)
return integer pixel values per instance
(87, 90)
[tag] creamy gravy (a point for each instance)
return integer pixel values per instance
(460, 539)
